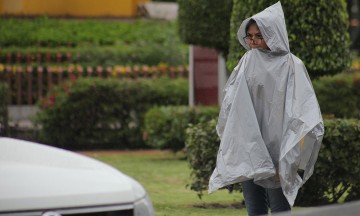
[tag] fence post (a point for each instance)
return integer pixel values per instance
(89, 71)
(145, 71)
(163, 70)
(59, 74)
(154, 71)
(8, 57)
(29, 58)
(118, 70)
(80, 70)
(71, 73)
(19, 71)
(99, 70)
(127, 71)
(40, 82)
(9, 76)
(38, 57)
(48, 57)
(49, 78)
(58, 57)
(180, 71)
(68, 57)
(18, 57)
(172, 72)
(136, 71)
(29, 71)
(108, 71)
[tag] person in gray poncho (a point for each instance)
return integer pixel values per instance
(270, 123)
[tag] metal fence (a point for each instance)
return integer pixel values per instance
(27, 84)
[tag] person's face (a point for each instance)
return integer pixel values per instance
(254, 38)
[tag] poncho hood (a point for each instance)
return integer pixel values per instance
(271, 23)
(270, 123)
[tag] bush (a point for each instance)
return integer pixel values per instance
(3, 109)
(336, 171)
(165, 126)
(339, 95)
(205, 23)
(50, 32)
(94, 42)
(202, 144)
(318, 33)
(94, 113)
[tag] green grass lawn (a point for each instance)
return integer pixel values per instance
(165, 176)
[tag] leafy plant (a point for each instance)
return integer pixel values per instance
(202, 144)
(205, 23)
(337, 167)
(339, 95)
(164, 127)
(94, 113)
(92, 42)
(335, 174)
(49, 32)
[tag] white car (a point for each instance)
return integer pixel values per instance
(36, 179)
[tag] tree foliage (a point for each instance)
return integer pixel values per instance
(317, 30)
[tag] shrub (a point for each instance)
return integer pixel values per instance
(94, 42)
(339, 95)
(205, 23)
(104, 113)
(336, 171)
(49, 32)
(3, 108)
(202, 143)
(318, 33)
(165, 126)
(337, 168)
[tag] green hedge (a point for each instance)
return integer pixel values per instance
(165, 126)
(3, 109)
(205, 23)
(337, 169)
(339, 95)
(94, 113)
(318, 32)
(336, 172)
(94, 42)
(50, 32)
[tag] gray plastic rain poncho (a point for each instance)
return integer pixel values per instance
(270, 123)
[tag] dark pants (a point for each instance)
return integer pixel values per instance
(258, 199)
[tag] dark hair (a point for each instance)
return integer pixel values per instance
(251, 22)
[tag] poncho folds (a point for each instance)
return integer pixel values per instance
(270, 123)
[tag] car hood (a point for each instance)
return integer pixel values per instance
(35, 176)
